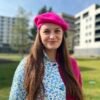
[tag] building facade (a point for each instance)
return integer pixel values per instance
(6, 25)
(87, 35)
(71, 31)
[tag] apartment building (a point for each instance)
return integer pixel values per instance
(71, 31)
(87, 35)
(6, 24)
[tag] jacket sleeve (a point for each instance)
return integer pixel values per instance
(76, 70)
(17, 89)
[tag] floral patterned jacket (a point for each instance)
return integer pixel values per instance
(53, 81)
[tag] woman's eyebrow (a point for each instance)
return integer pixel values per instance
(46, 29)
(57, 28)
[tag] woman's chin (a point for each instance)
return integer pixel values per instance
(52, 48)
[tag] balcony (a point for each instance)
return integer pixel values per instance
(97, 27)
(97, 20)
(97, 35)
(97, 39)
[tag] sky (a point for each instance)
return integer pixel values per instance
(71, 7)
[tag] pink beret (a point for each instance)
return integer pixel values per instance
(50, 17)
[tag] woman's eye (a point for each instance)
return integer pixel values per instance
(46, 31)
(57, 31)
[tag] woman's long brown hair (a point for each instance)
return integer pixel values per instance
(34, 72)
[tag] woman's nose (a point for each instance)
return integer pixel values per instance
(52, 35)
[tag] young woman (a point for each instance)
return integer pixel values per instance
(48, 72)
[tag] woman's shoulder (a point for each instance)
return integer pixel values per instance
(22, 63)
(20, 68)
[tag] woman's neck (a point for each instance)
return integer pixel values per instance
(51, 54)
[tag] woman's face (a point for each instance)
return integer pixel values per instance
(51, 36)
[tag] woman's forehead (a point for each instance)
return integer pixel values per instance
(50, 26)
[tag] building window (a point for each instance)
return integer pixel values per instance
(77, 30)
(85, 15)
(78, 18)
(97, 23)
(89, 40)
(8, 21)
(86, 34)
(86, 20)
(76, 43)
(89, 33)
(85, 41)
(1, 31)
(97, 39)
(78, 24)
(90, 26)
(2, 18)
(1, 37)
(97, 32)
(90, 18)
(86, 27)
(97, 16)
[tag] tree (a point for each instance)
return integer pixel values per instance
(19, 40)
(34, 29)
(43, 10)
(50, 9)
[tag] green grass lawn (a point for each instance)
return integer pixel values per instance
(90, 69)
(12, 57)
(6, 73)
